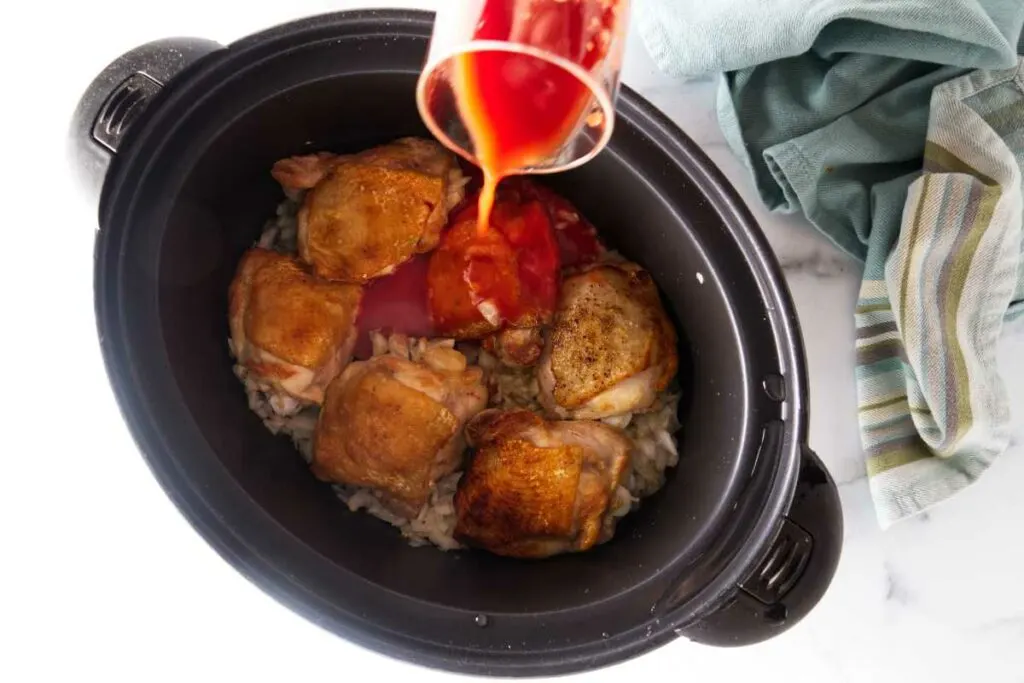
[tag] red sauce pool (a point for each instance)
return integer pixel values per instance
(396, 303)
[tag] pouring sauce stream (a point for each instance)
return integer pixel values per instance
(519, 108)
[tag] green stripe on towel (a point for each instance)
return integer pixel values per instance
(904, 456)
(949, 277)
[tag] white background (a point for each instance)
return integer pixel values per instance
(100, 576)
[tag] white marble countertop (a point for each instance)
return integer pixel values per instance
(115, 583)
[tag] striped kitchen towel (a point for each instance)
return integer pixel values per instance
(933, 409)
(897, 128)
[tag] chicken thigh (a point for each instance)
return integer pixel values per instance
(611, 349)
(299, 173)
(291, 331)
(535, 489)
(366, 214)
(395, 425)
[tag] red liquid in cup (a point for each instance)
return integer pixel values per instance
(520, 109)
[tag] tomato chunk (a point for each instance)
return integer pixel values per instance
(577, 238)
(478, 283)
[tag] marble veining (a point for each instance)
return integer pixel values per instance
(895, 589)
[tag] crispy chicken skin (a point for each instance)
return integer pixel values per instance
(611, 349)
(516, 346)
(536, 488)
(396, 426)
(294, 332)
(365, 214)
(303, 172)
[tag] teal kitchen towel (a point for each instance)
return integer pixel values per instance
(897, 128)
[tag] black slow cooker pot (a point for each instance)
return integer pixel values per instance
(741, 543)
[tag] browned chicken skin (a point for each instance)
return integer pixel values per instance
(292, 331)
(395, 425)
(515, 346)
(611, 349)
(535, 488)
(365, 214)
(304, 172)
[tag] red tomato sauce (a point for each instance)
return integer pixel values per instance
(537, 233)
(578, 244)
(396, 303)
(508, 275)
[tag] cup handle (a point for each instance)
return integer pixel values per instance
(117, 97)
(793, 575)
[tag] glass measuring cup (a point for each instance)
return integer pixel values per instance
(524, 86)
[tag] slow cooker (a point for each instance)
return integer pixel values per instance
(177, 138)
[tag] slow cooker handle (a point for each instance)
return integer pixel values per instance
(116, 98)
(793, 575)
